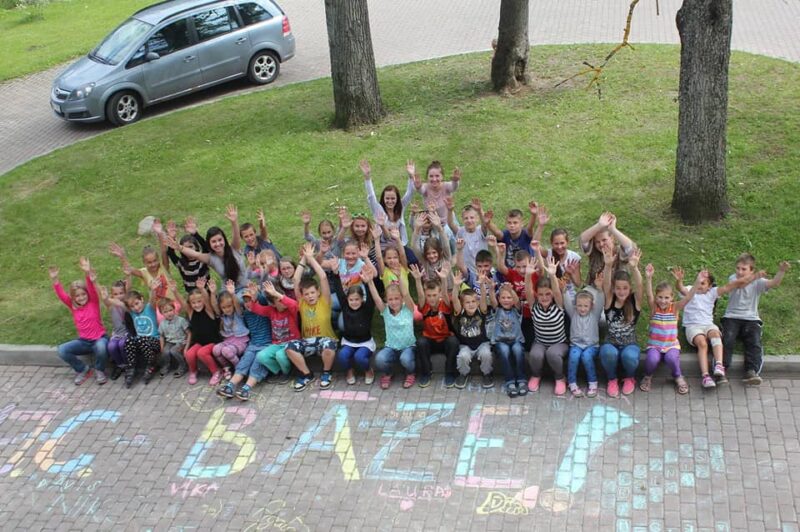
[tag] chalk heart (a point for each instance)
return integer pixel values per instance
(528, 497)
(406, 504)
(556, 500)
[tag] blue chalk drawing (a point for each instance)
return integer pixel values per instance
(599, 424)
(84, 460)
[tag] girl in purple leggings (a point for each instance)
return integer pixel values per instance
(117, 309)
(663, 344)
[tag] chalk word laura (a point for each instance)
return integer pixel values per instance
(408, 494)
(44, 458)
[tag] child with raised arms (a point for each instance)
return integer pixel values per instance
(358, 346)
(437, 337)
(142, 343)
(623, 296)
(189, 269)
(601, 236)
(84, 305)
(584, 335)
(516, 277)
(283, 318)
(472, 234)
(172, 336)
(314, 299)
(470, 315)
(234, 332)
(153, 270)
(203, 329)
(741, 319)
(115, 303)
(506, 336)
(257, 243)
(515, 236)
(248, 368)
(398, 318)
(435, 190)
(390, 206)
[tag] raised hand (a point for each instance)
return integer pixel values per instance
(365, 169)
(230, 286)
(155, 284)
(649, 270)
(269, 288)
(251, 258)
(171, 284)
(53, 272)
(262, 220)
(488, 216)
(460, 243)
(501, 250)
(380, 219)
(433, 216)
(127, 269)
(231, 213)
(677, 273)
(530, 269)
(456, 174)
(416, 273)
(366, 275)
(421, 218)
(458, 278)
(605, 219)
(551, 266)
(609, 257)
(157, 228)
(476, 202)
(189, 225)
(212, 284)
(543, 216)
(411, 168)
(170, 242)
(305, 217)
(533, 207)
(444, 272)
(324, 246)
(103, 292)
(784, 266)
(84, 264)
(571, 266)
(116, 250)
(636, 255)
(308, 250)
(201, 282)
(450, 203)
(344, 218)
(363, 251)
(491, 241)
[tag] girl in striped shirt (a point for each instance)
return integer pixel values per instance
(662, 343)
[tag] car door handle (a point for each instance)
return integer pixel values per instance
(240, 40)
(189, 58)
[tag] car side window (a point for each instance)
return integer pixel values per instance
(170, 38)
(215, 22)
(253, 13)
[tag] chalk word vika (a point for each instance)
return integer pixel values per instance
(44, 458)
(598, 425)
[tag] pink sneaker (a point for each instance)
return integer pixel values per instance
(533, 384)
(561, 387)
(628, 385)
(215, 378)
(410, 380)
(613, 388)
(386, 381)
(192, 378)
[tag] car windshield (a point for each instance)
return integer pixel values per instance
(121, 42)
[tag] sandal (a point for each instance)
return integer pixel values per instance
(647, 381)
(681, 385)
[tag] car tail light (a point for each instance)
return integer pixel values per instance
(287, 29)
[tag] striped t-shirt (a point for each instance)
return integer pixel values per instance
(548, 324)
(664, 330)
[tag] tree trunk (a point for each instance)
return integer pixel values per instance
(700, 182)
(510, 61)
(356, 94)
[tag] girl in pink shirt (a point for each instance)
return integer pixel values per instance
(84, 304)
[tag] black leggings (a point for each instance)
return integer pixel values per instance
(142, 347)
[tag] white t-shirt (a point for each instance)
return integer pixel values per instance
(700, 310)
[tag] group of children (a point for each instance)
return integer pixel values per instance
(481, 293)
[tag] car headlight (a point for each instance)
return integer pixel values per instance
(83, 92)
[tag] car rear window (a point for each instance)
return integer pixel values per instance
(210, 24)
(253, 13)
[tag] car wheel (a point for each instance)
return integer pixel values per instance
(124, 108)
(264, 67)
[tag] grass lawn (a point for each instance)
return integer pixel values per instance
(564, 147)
(67, 29)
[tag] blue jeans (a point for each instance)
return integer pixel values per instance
(387, 357)
(585, 355)
(249, 366)
(512, 356)
(349, 356)
(69, 353)
(611, 356)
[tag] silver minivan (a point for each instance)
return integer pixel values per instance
(171, 49)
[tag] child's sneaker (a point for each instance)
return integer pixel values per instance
(243, 393)
(522, 386)
(192, 378)
(628, 385)
(512, 389)
(533, 383)
(83, 376)
(424, 380)
(350, 379)
(386, 381)
(148, 374)
(592, 391)
(325, 380)
(226, 390)
(576, 390)
(751, 378)
(449, 381)
(411, 379)
(215, 378)
(719, 374)
(708, 382)
(461, 381)
(487, 381)
(116, 373)
(100, 376)
(369, 377)
(129, 374)
(302, 382)
(612, 390)
(561, 387)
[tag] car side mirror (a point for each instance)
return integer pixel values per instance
(151, 56)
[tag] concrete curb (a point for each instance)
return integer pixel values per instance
(775, 366)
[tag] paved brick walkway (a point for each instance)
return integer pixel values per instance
(168, 456)
(411, 31)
